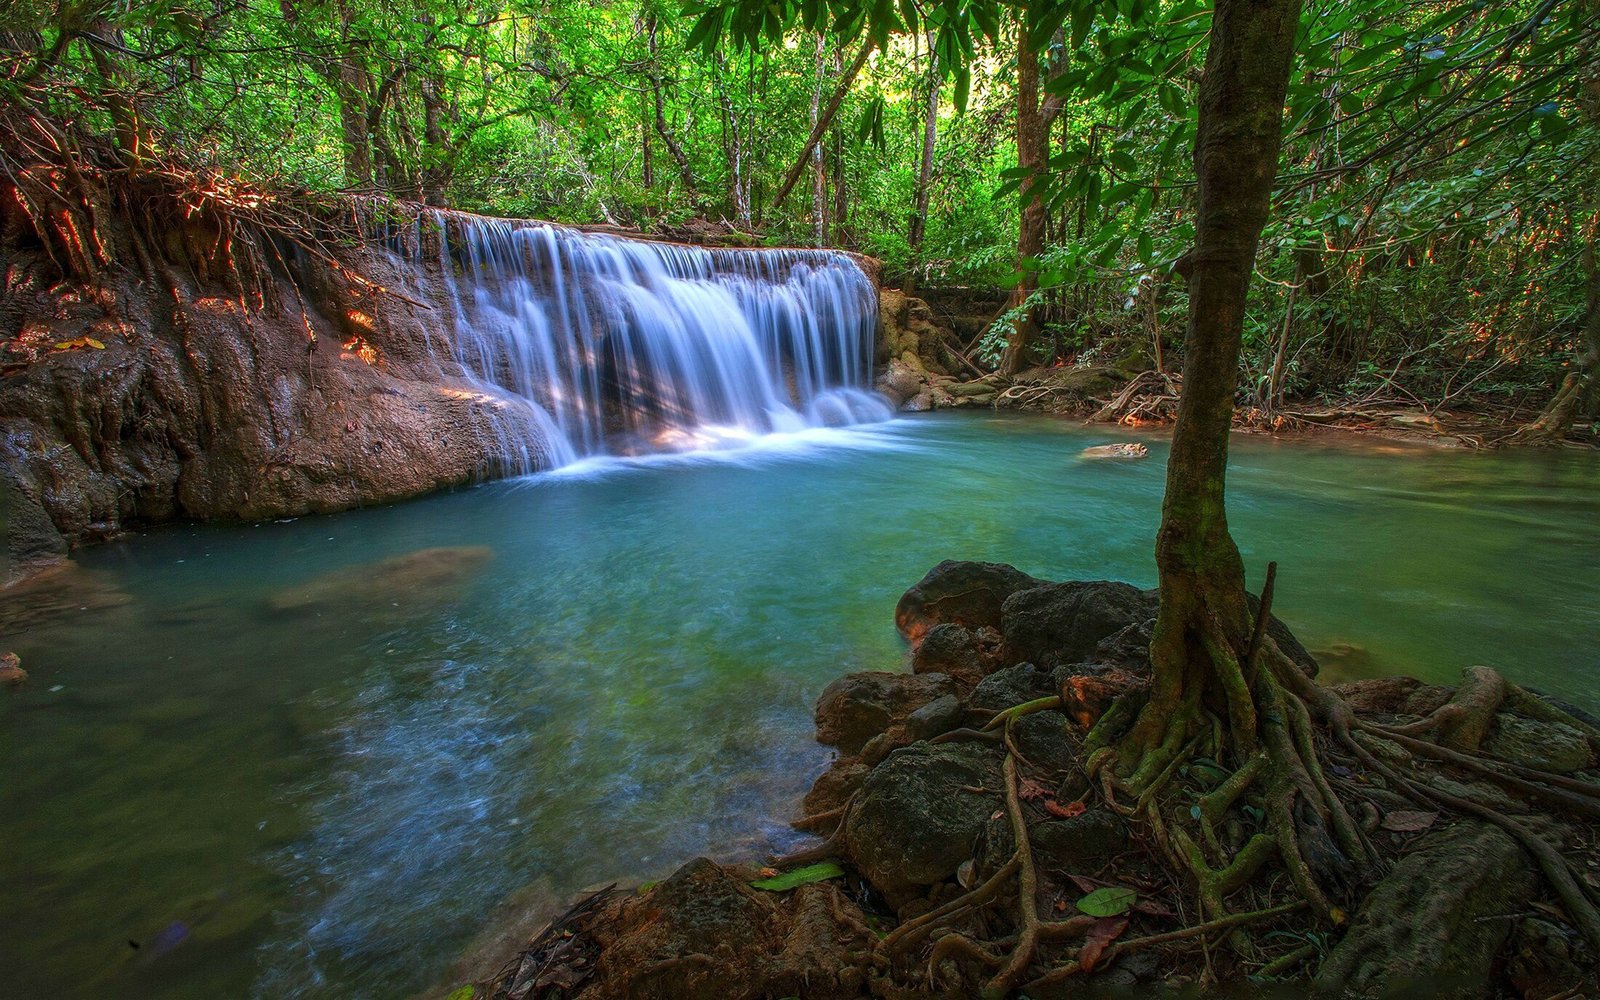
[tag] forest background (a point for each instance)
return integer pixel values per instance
(1434, 223)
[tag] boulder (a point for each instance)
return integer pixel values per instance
(1012, 686)
(857, 707)
(938, 716)
(1061, 623)
(1546, 746)
(967, 654)
(963, 593)
(919, 812)
(1393, 696)
(705, 934)
(1436, 923)
(1075, 846)
(834, 786)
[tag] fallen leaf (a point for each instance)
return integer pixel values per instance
(1067, 811)
(1061, 906)
(966, 875)
(1111, 901)
(1030, 791)
(769, 873)
(1101, 933)
(819, 872)
(1408, 820)
(1151, 908)
(1087, 884)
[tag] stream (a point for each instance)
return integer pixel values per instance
(248, 762)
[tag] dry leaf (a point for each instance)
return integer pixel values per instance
(966, 875)
(1030, 791)
(1101, 933)
(1067, 811)
(1408, 820)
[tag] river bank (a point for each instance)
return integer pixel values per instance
(925, 363)
(958, 779)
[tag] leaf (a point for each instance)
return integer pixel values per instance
(1409, 820)
(466, 992)
(1108, 902)
(1030, 791)
(1101, 933)
(79, 342)
(967, 874)
(820, 872)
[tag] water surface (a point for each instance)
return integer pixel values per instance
(281, 787)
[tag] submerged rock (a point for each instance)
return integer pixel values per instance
(919, 812)
(11, 672)
(1127, 449)
(857, 707)
(427, 576)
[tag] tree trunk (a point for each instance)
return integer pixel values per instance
(824, 120)
(918, 228)
(679, 157)
(1203, 620)
(1031, 154)
(819, 183)
(1033, 150)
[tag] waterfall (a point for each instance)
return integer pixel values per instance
(623, 346)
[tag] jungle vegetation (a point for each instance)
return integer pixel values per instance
(1432, 223)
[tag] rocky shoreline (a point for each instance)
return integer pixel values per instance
(892, 902)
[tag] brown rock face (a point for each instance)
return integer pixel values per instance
(202, 404)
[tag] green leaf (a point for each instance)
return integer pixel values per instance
(466, 992)
(1111, 901)
(820, 872)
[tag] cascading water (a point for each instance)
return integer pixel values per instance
(621, 347)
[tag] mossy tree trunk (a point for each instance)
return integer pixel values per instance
(1204, 620)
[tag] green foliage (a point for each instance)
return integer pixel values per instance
(1438, 174)
(1110, 901)
(794, 879)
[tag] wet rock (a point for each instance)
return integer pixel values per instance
(901, 382)
(938, 716)
(1073, 846)
(1127, 648)
(29, 541)
(1435, 924)
(1047, 741)
(970, 594)
(1544, 961)
(857, 707)
(967, 654)
(11, 672)
(1012, 686)
(1065, 622)
(1124, 450)
(57, 595)
(430, 576)
(835, 785)
(1546, 746)
(1393, 696)
(919, 812)
(705, 934)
